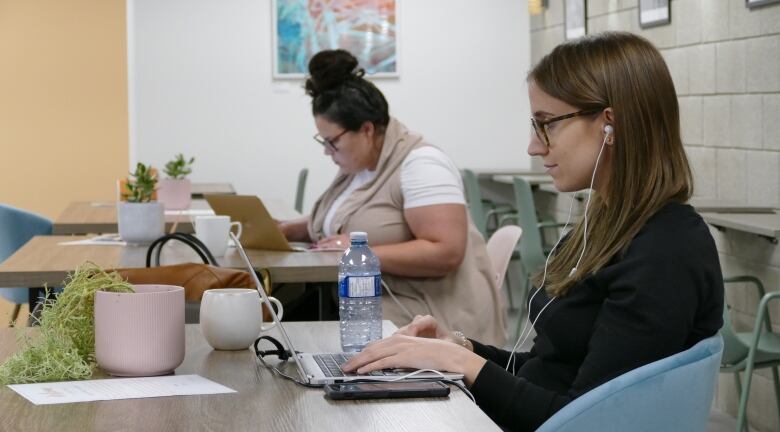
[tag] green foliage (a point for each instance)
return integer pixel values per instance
(64, 348)
(179, 168)
(141, 184)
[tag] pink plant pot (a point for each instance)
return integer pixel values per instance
(175, 194)
(141, 333)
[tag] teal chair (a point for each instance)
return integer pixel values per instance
(756, 349)
(671, 394)
(17, 227)
(531, 252)
(481, 210)
(301, 189)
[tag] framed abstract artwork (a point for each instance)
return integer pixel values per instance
(365, 28)
(654, 13)
(575, 19)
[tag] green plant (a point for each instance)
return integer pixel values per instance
(64, 348)
(140, 184)
(179, 167)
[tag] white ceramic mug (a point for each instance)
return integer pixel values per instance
(232, 318)
(213, 232)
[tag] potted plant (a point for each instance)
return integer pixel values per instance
(175, 191)
(140, 219)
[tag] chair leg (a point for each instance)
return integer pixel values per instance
(15, 315)
(776, 379)
(742, 423)
(739, 394)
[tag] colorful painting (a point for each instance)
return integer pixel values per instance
(366, 28)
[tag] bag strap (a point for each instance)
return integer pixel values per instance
(188, 239)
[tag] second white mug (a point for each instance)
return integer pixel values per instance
(213, 232)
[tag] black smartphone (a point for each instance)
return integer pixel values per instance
(385, 390)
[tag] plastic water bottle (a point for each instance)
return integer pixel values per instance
(360, 295)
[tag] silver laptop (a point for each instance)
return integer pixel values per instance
(326, 368)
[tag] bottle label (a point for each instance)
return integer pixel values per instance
(360, 286)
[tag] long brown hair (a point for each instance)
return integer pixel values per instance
(649, 166)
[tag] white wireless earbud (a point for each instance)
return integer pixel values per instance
(608, 129)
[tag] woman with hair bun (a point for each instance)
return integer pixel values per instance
(407, 195)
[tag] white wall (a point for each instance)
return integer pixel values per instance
(200, 83)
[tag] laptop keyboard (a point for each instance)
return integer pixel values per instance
(330, 364)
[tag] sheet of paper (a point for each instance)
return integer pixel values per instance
(105, 240)
(118, 388)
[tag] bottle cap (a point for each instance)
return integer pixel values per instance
(358, 236)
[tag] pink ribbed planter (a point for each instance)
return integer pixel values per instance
(141, 333)
(175, 194)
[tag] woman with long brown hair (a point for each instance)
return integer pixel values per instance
(637, 278)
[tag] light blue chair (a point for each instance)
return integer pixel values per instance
(671, 394)
(16, 228)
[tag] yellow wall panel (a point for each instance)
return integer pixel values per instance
(63, 102)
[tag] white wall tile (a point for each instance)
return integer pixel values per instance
(715, 20)
(701, 66)
(664, 36)
(731, 171)
(771, 121)
(730, 60)
(764, 178)
(746, 130)
(691, 119)
(763, 61)
(553, 15)
(716, 114)
(743, 22)
(770, 19)
(688, 12)
(677, 62)
(702, 160)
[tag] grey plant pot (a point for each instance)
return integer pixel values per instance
(140, 223)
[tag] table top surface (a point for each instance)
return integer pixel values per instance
(763, 224)
(263, 401)
(199, 189)
(533, 178)
(85, 217)
(44, 260)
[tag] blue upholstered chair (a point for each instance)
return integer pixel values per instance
(16, 228)
(671, 394)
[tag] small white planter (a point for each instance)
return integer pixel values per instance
(175, 194)
(140, 223)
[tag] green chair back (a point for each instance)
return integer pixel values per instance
(531, 250)
(474, 199)
(301, 188)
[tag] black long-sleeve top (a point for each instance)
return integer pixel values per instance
(662, 296)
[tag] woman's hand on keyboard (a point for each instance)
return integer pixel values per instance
(424, 326)
(401, 352)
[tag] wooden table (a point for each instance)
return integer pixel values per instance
(44, 261)
(200, 189)
(263, 401)
(85, 217)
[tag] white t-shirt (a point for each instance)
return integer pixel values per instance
(428, 177)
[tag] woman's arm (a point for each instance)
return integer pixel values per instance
(440, 234)
(296, 229)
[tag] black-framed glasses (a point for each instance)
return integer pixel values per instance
(329, 141)
(540, 126)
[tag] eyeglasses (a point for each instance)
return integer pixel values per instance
(540, 126)
(331, 142)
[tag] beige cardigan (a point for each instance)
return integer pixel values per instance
(465, 299)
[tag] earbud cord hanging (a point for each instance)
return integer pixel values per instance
(520, 337)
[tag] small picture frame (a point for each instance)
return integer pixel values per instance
(654, 13)
(575, 19)
(758, 3)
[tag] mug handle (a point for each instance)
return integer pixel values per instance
(239, 230)
(279, 313)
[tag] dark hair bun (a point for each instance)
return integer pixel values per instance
(329, 69)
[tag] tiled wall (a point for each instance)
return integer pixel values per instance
(725, 62)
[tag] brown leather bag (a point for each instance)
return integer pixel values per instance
(195, 278)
